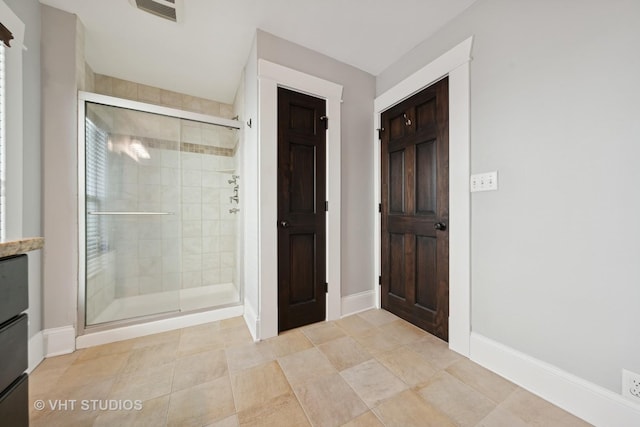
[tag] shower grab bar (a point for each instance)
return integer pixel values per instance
(129, 213)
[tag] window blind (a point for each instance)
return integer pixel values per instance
(2, 144)
(96, 194)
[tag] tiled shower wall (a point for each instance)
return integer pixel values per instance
(196, 246)
(107, 85)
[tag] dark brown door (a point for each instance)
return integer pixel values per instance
(301, 209)
(415, 209)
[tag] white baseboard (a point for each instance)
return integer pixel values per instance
(59, 341)
(593, 403)
(91, 339)
(252, 321)
(352, 304)
(36, 351)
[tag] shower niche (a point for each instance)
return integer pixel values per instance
(160, 196)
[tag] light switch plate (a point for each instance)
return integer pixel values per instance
(484, 181)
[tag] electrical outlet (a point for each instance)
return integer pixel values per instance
(484, 181)
(631, 385)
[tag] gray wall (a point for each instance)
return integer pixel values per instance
(29, 13)
(59, 136)
(357, 199)
(249, 181)
(554, 108)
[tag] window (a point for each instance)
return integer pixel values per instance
(11, 37)
(96, 193)
(2, 144)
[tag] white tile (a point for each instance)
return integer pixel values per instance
(171, 247)
(171, 264)
(155, 157)
(211, 277)
(191, 195)
(228, 243)
(150, 175)
(170, 193)
(149, 266)
(171, 158)
(150, 193)
(210, 228)
(191, 161)
(227, 259)
(210, 211)
(129, 172)
(210, 244)
(125, 192)
(149, 230)
(192, 229)
(227, 162)
(211, 195)
(211, 261)
(191, 263)
(191, 245)
(171, 177)
(226, 275)
(150, 284)
(149, 248)
(225, 200)
(127, 248)
(210, 163)
(171, 281)
(191, 178)
(127, 287)
(191, 212)
(228, 228)
(210, 179)
(191, 279)
(226, 213)
(127, 268)
(171, 229)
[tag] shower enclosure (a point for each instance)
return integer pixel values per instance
(159, 200)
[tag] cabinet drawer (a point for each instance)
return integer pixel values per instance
(14, 287)
(13, 350)
(14, 404)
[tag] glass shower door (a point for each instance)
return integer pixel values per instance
(133, 226)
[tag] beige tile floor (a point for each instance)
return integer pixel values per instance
(369, 369)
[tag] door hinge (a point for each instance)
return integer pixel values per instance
(380, 280)
(380, 207)
(326, 287)
(326, 206)
(380, 130)
(325, 119)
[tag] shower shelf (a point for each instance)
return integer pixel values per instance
(226, 171)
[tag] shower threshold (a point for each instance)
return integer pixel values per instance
(189, 299)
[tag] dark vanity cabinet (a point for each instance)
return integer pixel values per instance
(14, 382)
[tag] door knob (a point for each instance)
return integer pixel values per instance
(440, 226)
(284, 224)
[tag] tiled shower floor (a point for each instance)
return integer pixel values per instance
(369, 369)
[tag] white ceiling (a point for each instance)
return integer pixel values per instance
(203, 55)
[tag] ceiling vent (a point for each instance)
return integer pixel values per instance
(167, 9)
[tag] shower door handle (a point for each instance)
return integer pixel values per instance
(284, 224)
(128, 213)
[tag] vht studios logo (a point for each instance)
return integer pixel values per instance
(88, 405)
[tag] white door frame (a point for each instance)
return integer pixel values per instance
(455, 65)
(270, 77)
